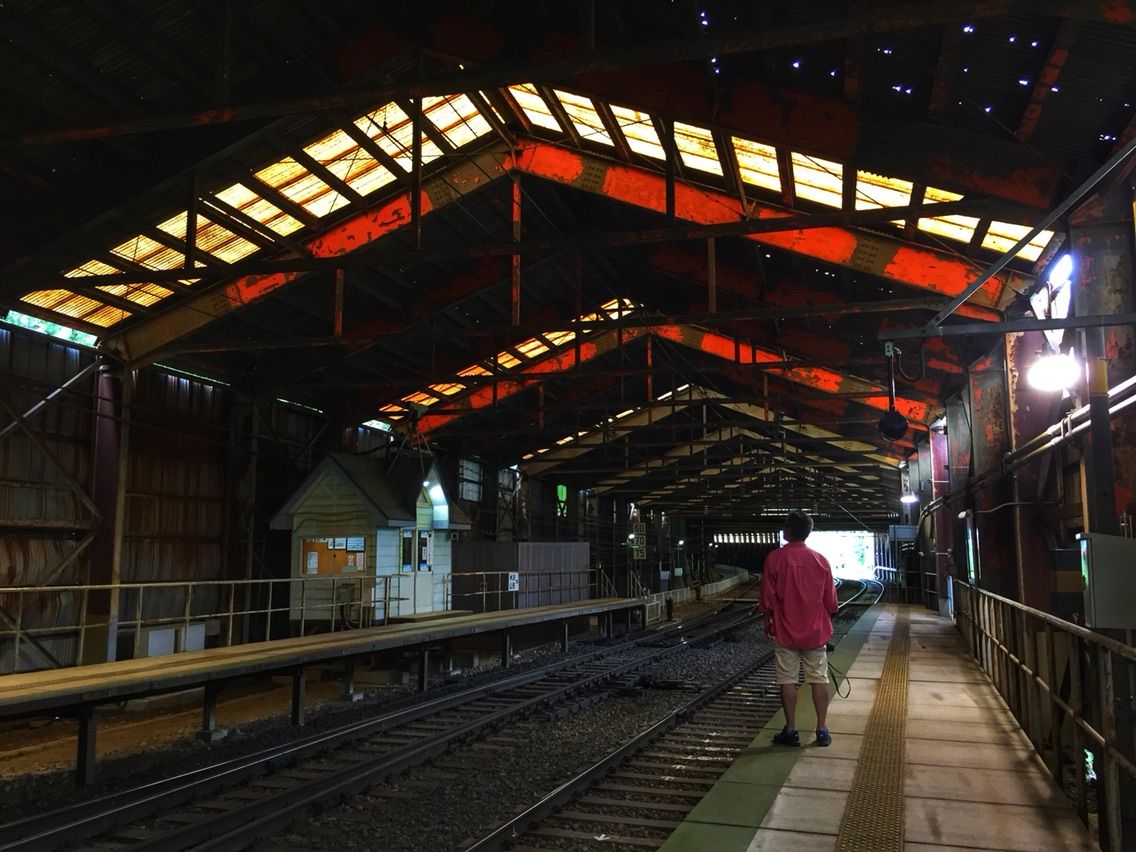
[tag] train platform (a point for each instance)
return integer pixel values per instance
(925, 757)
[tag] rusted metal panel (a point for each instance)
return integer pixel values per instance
(34, 486)
(1103, 264)
(989, 404)
(1031, 412)
(943, 518)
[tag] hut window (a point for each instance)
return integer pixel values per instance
(469, 480)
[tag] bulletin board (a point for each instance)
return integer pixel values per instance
(333, 555)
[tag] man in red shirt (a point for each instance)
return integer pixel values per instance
(798, 598)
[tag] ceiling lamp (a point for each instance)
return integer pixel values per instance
(892, 425)
(1056, 371)
(908, 497)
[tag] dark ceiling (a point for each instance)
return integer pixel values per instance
(742, 368)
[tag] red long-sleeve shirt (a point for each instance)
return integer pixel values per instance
(797, 589)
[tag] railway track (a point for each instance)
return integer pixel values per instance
(635, 797)
(228, 806)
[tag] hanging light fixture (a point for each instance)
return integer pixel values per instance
(892, 425)
(908, 497)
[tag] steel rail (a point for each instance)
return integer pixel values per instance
(512, 829)
(89, 819)
(518, 825)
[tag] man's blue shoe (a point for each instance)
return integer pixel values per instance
(823, 737)
(787, 738)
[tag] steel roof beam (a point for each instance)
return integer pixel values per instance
(139, 344)
(911, 265)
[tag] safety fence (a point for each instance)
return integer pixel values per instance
(1072, 692)
(54, 626)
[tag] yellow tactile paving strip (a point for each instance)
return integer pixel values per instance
(873, 819)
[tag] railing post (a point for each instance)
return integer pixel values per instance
(303, 602)
(1077, 703)
(19, 628)
(1057, 766)
(333, 608)
(82, 626)
(1109, 771)
(138, 622)
(269, 585)
(232, 607)
(188, 610)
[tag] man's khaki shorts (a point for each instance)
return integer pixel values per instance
(788, 664)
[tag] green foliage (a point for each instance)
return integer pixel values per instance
(52, 328)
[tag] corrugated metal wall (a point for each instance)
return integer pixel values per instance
(176, 510)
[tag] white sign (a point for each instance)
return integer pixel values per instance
(514, 581)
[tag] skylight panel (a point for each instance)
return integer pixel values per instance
(1001, 237)
(559, 338)
(240, 197)
(474, 370)
(281, 173)
(332, 147)
(345, 159)
(639, 132)
(457, 118)
(696, 147)
(447, 388)
(106, 316)
(221, 242)
(504, 359)
(757, 163)
(92, 267)
(584, 117)
(141, 294)
(818, 180)
(393, 131)
(299, 185)
(76, 306)
(529, 100)
(420, 398)
(531, 348)
(875, 191)
(959, 228)
(142, 250)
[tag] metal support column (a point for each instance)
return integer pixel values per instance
(85, 756)
(516, 259)
(506, 648)
(298, 697)
(349, 691)
(209, 730)
(564, 637)
(423, 669)
(989, 427)
(1103, 267)
(416, 171)
(108, 491)
(1101, 485)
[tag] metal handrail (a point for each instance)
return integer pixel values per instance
(333, 602)
(1060, 681)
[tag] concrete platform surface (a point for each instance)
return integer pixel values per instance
(971, 779)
